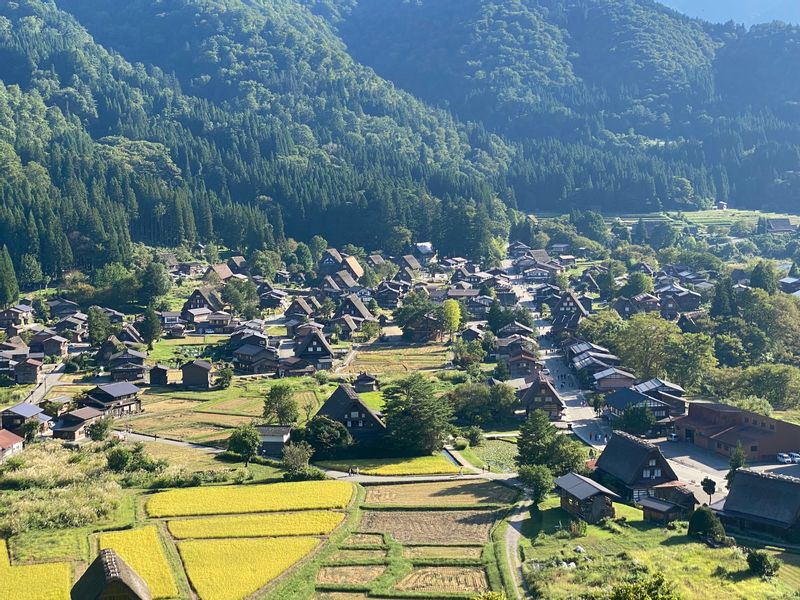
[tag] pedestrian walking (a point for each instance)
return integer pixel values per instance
(358, 471)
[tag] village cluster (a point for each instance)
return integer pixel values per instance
(520, 325)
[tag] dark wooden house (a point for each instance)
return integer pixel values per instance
(542, 395)
(765, 503)
(113, 399)
(345, 406)
(159, 375)
(197, 374)
(584, 498)
(633, 467)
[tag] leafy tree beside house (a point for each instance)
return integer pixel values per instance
(99, 326)
(451, 317)
(327, 437)
(636, 420)
(245, 442)
(417, 419)
(540, 443)
(150, 327)
(538, 479)
(280, 406)
(100, 429)
(737, 461)
(765, 277)
(155, 282)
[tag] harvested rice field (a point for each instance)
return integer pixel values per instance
(347, 554)
(454, 527)
(350, 575)
(470, 552)
(471, 580)
(444, 493)
(365, 539)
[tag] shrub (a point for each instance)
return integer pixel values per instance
(474, 435)
(704, 523)
(305, 474)
(762, 564)
(460, 443)
(539, 479)
(577, 528)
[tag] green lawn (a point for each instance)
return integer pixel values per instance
(629, 544)
(418, 465)
(497, 454)
(374, 400)
(166, 350)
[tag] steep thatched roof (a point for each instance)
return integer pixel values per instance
(765, 497)
(110, 576)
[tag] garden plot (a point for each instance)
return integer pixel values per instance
(471, 580)
(274, 497)
(454, 527)
(142, 550)
(269, 525)
(233, 569)
(350, 575)
(441, 493)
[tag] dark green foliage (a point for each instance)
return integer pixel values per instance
(738, 460)
(538, 479)
(417, 419)
(765, 277)
(100, 429)
(245, 442)
(327, 437)
(540, 443)
(155, 282)
(9, 290)
(762, 564)
(704, 523)
(99, 325)
(636, 420)
(150, 327)
(225, 377)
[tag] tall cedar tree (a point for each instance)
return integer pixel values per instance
(417, 419)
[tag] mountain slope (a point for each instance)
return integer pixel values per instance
(262, 130)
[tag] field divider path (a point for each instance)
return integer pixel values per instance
(513, 537)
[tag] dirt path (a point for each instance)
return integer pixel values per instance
(513, 537)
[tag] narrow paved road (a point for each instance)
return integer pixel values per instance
(49, 380)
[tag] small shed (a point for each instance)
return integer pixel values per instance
(584, 498)
(159, 375)
(110, 577)
(273, 439)
(366, 383)
(197, 374)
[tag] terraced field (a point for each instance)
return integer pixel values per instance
(455, 527)
(445, 579)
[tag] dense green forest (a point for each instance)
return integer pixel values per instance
(247, 122)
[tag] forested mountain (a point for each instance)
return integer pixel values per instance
(249, 121)
(749, 12)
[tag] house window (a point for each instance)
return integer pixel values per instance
(361, 423)
(763, 424)
(646, 474)
(656, 473)
(354, 414)
(772, 426)
(349, 424)
(652, 462)
(753, 448)
(747, 419)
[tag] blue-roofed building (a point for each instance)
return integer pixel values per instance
(14, 418)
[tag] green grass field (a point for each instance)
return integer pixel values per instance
(628, 543)
(167, 350)
(497, 454)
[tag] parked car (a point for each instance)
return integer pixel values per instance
(546, 371)
(795, 457)
(672, 437)
(784, 458)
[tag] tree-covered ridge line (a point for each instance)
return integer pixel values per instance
(120, 151)
(646, 98)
